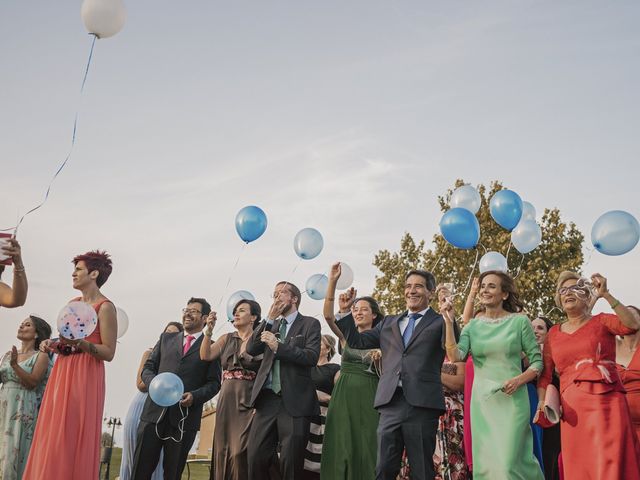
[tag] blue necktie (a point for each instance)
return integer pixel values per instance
(408, 331)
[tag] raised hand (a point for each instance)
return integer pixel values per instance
(446, 309)
(12, 249)
(346, 299)
(335, 272)
(211, 321)
(600, 284)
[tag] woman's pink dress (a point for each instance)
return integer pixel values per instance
(630, 377)
(468, 386)
(66, 442)
(598, 438)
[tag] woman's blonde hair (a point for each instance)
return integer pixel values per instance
(331, 345)
(563, 277)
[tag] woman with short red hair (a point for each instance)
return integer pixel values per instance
(66, 443)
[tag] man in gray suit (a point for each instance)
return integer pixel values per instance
(409, 396)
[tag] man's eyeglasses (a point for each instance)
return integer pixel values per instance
(191, 311)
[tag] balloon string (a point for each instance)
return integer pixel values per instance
(590, 250)
(475, 262)
(436, 262)
(184, 416)
(296, 267)
(519, 269)
(506, 257)
(73, 142)
(235, 265)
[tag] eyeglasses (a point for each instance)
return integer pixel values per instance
(192, 311)
(583, 287)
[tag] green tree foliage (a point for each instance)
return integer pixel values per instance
(535, 272)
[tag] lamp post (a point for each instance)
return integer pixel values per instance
(112, 422)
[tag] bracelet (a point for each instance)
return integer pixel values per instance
(331, 299)
(449, 346)
(615, 304)
(17, 269)
(207, 333)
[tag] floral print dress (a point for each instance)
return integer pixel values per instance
(18, 414)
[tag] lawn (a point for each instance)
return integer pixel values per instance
(198, 471)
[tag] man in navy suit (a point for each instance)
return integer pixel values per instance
(174, 428)
(409, 396)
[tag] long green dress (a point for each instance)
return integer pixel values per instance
(350, 443)
(18, 414)
(502, 438)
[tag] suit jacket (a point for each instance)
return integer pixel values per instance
(298, 354)
(418, 365)
(200, 378)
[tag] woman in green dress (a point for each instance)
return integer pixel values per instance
(23, 374)
(350, 443)
(497, 338)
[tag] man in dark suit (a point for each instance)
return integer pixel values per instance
(409, 396)
(174, 428)
(283, 394)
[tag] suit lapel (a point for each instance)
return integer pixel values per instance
(424, 322)
(395, 327)
(295, 328)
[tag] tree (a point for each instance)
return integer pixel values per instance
(535, 272)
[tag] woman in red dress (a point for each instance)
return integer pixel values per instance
(598, 439)
(628, 363)
(66, 443)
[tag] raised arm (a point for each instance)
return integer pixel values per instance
(624, 314)
(33, 379)
(210, 350)
(362, 340)
(16, 295)
(454, 354)
(346, 300)
(467, 313)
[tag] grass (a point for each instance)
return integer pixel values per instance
(198, 471)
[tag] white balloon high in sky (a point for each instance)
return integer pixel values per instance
(103, 18)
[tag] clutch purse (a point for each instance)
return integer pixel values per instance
(551, 412)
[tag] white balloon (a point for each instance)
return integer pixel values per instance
(466, 197)
(493, 261)
(528, 212)
(526, 236)
(103, 18)
(123, 321)
(346, 277)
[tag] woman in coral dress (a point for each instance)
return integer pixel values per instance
(66, 443)
(598, 439)
(628, 363)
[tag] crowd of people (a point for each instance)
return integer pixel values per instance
(420, 394)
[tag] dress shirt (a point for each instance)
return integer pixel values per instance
(194, 335)
(290, 319)
(404, 321)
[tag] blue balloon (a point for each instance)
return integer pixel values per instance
(233, 300)
(166, 389)
(251, 223)
(615, 233)
(460, 228)
(316, 286)
(506, 208)
(308, 243)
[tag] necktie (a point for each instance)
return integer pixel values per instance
(187, 345)
(411, 325)
(275, 374)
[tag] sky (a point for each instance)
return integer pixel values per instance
(349, 117)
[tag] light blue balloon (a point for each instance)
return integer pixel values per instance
(506, 208)
(615, 233)
(467, 197)
(528, 211)
(251, 223)
(526, 236)
(460, 228)
(166, 389)
(308, 243)
(316, 286)
(233, 300)
(493, 261)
